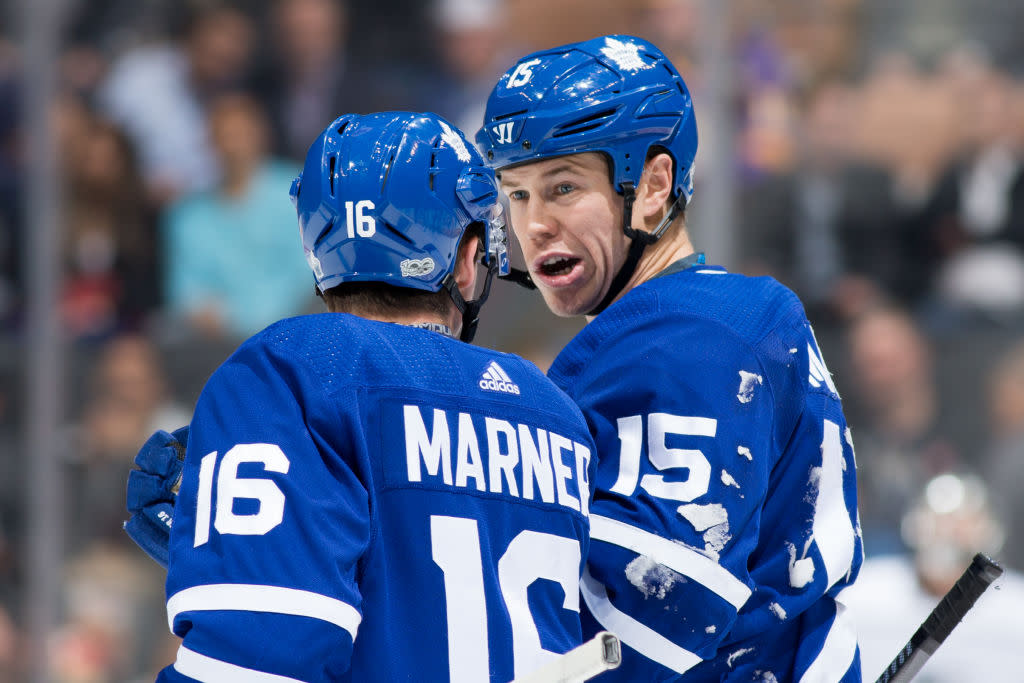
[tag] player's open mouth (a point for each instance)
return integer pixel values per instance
(556, 266)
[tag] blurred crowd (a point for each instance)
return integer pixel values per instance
(879, 172)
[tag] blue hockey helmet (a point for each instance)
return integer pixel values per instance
(618, 95)
(387, 198)
(615, 94)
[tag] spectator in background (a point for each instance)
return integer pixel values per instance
(906, 123)
(897, 418)
(825, 224)
(112, 598)
(674, 26)
(230, 264)
(971, 231)
(310, 77)
(159, 95)
(127, 398)
(1004, 457)
(111, 275)
(113, 616)
(949, 522)
(473, 54)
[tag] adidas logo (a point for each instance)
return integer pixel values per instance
(495, 379)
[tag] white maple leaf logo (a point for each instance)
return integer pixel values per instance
(625, 55)
(454, 140)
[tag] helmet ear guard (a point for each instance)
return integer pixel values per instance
(478, 192)
(475, 197)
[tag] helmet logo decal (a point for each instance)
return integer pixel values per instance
(417, 267)
(503, 132)
(454, 140)
(626, 55)
(522, 74)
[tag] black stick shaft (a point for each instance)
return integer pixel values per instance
(943, 619)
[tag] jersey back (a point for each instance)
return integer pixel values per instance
(368, 501)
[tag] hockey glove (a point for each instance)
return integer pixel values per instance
(152, 490)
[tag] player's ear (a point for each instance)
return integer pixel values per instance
(655, 191)
(465, 265)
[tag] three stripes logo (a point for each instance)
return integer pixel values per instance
(494, 378)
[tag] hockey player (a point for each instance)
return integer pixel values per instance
(724, 517)
(363, 496)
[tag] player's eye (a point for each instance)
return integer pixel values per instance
(564, 188)
(517, 195)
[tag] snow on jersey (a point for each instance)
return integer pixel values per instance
(724, 514)
(367, 501)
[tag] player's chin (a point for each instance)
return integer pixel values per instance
(565, 304)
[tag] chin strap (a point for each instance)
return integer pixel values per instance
(519, 277)
(470, 310)
(639, 241)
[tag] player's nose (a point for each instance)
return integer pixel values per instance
(539, 222)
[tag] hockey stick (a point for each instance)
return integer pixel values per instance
(600, 653)
(940, 623)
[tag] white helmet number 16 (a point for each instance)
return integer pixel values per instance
(358, 222)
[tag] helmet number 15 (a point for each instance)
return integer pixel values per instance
(522, 74)
(358, 222)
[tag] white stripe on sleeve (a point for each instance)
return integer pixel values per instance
(675, 556)
(270, 599)
(208, 670)
(837, 652)
(833, 530)
(644, 640)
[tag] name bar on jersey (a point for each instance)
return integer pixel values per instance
(494, 455)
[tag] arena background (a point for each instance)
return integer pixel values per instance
(867, 153)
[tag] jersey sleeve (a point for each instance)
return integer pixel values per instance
(270, 526)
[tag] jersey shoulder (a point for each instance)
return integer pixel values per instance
(749, 306)
(718, 316)
(342, 351)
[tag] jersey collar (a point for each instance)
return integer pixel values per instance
(694, 259)
(434, 327)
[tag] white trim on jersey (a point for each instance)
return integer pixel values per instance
(676, 557)
(712, 272)
(644, 640)
(834, 534)
(838, 651)
(270, 599)
(208, 670)
(818, 373)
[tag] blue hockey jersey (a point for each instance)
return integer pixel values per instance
(724, 518)
(365, 501)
